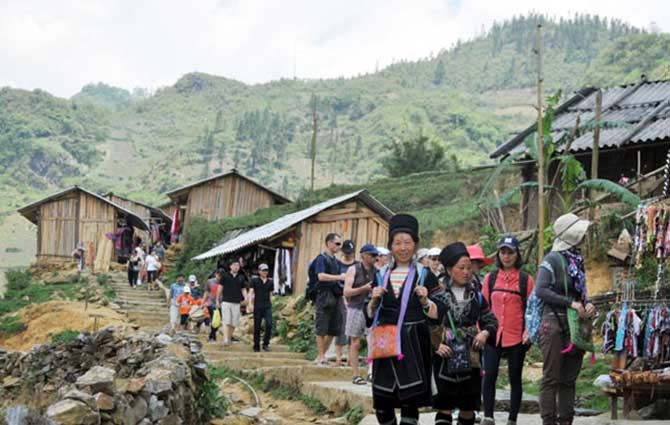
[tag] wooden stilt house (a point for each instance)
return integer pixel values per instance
(223, 196)
(158, 220)
(78, 217)
(301, 235)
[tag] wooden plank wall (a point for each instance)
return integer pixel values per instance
(139, 210)
(57, 223)
(352, 221)
(59, 228)
(229, 196)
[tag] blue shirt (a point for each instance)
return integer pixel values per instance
(175, 291)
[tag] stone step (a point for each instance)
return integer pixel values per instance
(214, 353)
(340, 396)
(242, 362)
(142, 303)
(295, 376)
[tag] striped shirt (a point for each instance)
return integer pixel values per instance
(397, 278)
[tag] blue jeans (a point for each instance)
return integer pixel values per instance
(260, 314)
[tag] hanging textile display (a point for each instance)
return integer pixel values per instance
(176, 226)
(282, 272)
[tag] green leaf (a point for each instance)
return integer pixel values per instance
(618, 191)
(504, 165)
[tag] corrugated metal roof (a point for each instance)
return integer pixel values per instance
(274, 228)
(625, 107)
(133, 219)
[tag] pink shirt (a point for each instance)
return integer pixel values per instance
(508, 307)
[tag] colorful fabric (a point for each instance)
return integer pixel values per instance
(398, 276)
(577, 272)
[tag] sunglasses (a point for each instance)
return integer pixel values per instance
(338, 243)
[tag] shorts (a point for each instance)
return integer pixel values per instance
(184, 320)
(342, 338)
(355, 327)
(230, 314)
(329, 321)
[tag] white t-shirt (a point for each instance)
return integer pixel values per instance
(152, 263)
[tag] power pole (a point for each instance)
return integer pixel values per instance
(314, 130)
(540, 148)
(594, 157)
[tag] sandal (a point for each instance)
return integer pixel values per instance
(359, 381)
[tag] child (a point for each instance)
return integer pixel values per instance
(185, 301)
(199, 302)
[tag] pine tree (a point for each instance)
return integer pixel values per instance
(440, 73)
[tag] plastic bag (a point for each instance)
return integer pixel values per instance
(216, 319)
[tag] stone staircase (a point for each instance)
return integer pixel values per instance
(146, 309)
(331, 386)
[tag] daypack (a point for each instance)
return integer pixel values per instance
(533, 317)
(313, 278)
(522, 292)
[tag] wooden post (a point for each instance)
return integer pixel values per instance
(540, 148)
(639, 173)
(314, 130)
(595, 153)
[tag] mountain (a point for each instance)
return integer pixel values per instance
(468, 98)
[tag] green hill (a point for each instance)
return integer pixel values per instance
(469, 98)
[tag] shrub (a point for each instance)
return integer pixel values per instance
(11, 325)
(17, 280)
(103, 279)
(355, 415)
(65, 336)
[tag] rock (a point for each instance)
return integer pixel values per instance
(170, 420)
(136, 385)
(22, 415)
(100, 379)
(114, 306)
(81, 396)
(10, 381)
(72, 412)
(104, 402)
(164, 339)
(272, 420)
(251, 412)
(158, 381)
(137, 411)
(157, 409)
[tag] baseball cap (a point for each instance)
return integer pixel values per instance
(348, 247)
(423, 252)
(509, 242)
(368, 248)
(434, 252)
(383, 251)
(263, 266)
(187, 290)
(192, 278)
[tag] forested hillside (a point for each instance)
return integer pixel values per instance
(467, 98)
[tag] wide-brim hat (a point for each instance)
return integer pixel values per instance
(477, 254)
(569, 230)
(452, 253)
(404, 223)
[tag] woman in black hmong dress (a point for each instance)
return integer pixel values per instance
(404, 381)
(468, 324)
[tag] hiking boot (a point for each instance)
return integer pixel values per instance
(257, 350)
(488, 421)
(266, 348)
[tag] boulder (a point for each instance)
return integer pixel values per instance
(72, 412)
(22, 415)
(157, 409)
(99, 379)
(81, 396)
(158, 381)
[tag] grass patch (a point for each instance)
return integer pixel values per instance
(23, 291)
(355, 415)
(11, 325)
(277, 391)
(65, 336)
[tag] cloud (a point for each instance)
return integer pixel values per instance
(60, 46)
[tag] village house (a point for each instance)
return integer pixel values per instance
(291, 242)
(77, 216)
(634, 138)
(221, 196)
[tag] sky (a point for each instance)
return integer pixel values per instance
(59, 46)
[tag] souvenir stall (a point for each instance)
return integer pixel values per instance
(637, 329)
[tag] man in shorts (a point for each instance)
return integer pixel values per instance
(328, 313)
(357, 285)
(234, 291)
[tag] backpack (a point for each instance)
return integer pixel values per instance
(533, 316)
(312, 281)
(313, 278)
(522, 292)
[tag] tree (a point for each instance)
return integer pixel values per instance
(440, 73)
(413, 155)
